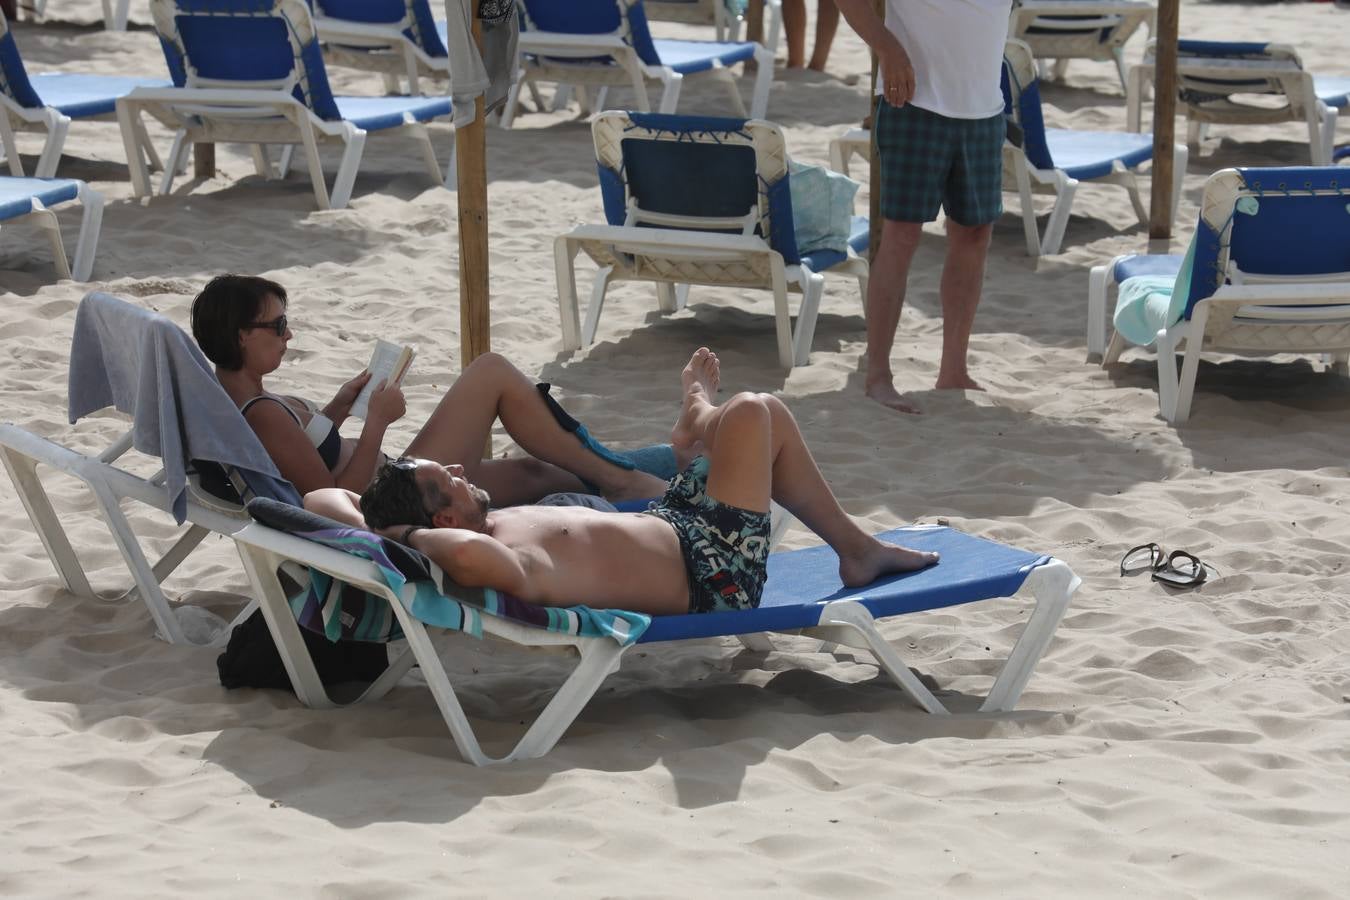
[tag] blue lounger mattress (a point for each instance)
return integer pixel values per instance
(800, 581)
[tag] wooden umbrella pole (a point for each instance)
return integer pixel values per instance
(1164, 120)
(475, 322)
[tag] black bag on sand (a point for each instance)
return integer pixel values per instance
(251, 658)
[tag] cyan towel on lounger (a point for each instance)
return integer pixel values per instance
(136, 360)
(1146, 304)
(822, 207)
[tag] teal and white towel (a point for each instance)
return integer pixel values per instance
(822, 207)
(1146, 304)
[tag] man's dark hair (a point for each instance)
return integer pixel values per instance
(223, 308)
(395, 497)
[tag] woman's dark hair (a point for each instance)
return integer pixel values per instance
(223, 308)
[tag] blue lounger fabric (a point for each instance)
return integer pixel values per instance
(800, 581)
(17, 194)
(82, 96)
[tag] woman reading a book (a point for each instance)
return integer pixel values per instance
(240, 323)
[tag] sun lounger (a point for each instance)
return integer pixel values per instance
(114, 12)
(1214, 77)
(48, 102)
(146, 366)
(724, 15)
(391, 37)
(602, 43)
(1080, 29)
(693, 200)
(32, 198)
(251, 72)
(1055, 160)
(1268, 272)
(803, 596)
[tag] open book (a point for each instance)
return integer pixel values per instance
(389, 362)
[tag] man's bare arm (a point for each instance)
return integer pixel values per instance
(896, 71)
(473, 559)
(336, 503)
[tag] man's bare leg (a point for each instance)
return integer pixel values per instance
(962, 279)
(756, 451)
(885, 299)
(490, 388)
(827, 23)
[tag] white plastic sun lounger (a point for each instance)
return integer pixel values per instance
(392, 37)
(1270, 274)
(1215, 78)
(602, 43)
(32, 198)
(720, 14)
(152, 351)
(697, 200)
(252, 72)
(803, 596)
(1055, 160)
(48, 102)
(1080, 29)
(114, 12)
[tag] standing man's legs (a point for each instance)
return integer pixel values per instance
(885, 297)
(962, 277)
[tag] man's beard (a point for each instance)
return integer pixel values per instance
(480, 497)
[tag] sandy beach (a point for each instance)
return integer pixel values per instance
(1170, 744)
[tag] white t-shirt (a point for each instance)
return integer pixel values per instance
(956, 47)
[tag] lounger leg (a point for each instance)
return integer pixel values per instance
(143, 137)
(601, 98)
(178, 153)
(1059, 216)
(9, 147)
(513, 100)
(721, 73)
(782, 315)
(1193, 136)
(665, 297)
(681, 296)
(1017, 159)
(1053, 585)
(1114, 348)
(1119, 55)
(813, 286)
(1061, 68)
(1340, 363)
(1167, 372)
(1096, 308)
(758, 643)
(1131, 183)
(90, 225)
(1134, 98)
(759, 100)
(23, 474)
(51, 150)
(670, 95)
(166, 623)
(565, 273)
(354, 144)
(853, 615)
(47, 221)
(1321, 132)
(596, 306)
(423, 137)
(1195, 340)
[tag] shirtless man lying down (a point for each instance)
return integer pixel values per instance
(701, 548)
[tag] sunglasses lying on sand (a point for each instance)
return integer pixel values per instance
(1178, 568)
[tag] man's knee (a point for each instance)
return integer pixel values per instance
(969, 237)
(746, 410)
(897, 236)
(487, 362)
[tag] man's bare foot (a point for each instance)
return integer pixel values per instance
(882, 559)
(699, 379)
(962, 382)
(885, 393)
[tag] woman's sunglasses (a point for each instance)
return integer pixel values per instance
(278, 325)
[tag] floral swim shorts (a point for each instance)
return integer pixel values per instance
(725, 547)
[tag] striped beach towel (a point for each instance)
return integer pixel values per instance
(343, 612)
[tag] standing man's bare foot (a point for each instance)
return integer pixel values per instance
(961, 382)
(884, 392)
(881, 559)
(699, 380)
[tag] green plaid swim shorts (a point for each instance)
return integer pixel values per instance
(929, 160)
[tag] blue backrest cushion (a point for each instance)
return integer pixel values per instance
(1028, 115)
(593, 17)
(691, 179)
(14, 81)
